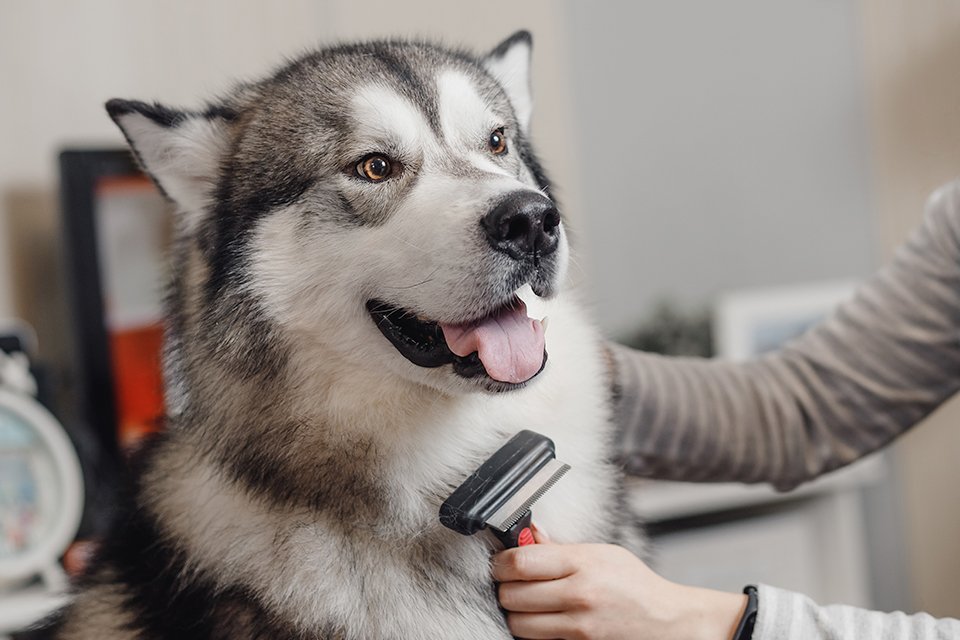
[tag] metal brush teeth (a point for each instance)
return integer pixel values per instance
(525, 506)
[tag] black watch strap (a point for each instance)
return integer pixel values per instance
(749, 618)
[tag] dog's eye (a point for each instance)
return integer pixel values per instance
(375, 168)
(498, 142)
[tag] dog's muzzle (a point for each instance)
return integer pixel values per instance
(500, 342)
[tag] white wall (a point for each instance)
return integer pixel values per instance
(723, 146)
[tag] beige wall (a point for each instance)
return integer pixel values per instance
(912, 59)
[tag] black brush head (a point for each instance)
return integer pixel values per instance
(471, 506)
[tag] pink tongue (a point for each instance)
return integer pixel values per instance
(510, 344)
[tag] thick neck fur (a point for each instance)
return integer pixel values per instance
(308, 482)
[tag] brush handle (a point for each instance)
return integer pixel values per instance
(519, 535)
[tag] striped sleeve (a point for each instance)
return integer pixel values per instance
(783, 615)
(879, 364)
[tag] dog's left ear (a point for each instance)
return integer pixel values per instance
(509, 63)
(180, 150)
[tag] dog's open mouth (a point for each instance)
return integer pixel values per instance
(506, 345)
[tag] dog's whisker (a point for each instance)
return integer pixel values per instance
(410, 243)
(428, 279)
(412, 286)
(577, 265)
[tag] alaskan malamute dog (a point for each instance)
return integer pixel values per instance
(367, 253)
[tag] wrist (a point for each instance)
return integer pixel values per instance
(713, 615)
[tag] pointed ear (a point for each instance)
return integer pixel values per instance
(509, 63)
(180, 150)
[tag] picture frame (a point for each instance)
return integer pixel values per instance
(116, 227)
(750, 322)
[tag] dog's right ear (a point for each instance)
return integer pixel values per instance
(180, 150)
(509, 63)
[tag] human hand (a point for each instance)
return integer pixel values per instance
(604, 592)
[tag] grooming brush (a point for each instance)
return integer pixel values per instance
(500, 493)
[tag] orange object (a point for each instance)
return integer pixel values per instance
(525, 538)
(78, 557)
(138, 381)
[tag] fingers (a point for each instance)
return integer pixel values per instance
(536, 597)
(533, 626)
(539, 534)
(534, 562)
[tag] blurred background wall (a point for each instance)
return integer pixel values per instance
(911, 54)
(699, 147)
(734, 129)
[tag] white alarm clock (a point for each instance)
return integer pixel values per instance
(41, 499)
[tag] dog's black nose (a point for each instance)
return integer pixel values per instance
(523, 225)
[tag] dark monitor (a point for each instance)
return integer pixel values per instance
(117, 229)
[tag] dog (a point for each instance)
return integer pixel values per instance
(366, 301)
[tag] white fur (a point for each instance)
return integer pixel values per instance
(183, 159)
(512, 69)
(467, 121)
(384, 116)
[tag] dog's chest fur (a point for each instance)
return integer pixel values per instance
(350, 572)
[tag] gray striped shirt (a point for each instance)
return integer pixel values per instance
(877, 366)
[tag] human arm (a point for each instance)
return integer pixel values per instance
(603, 592)
(877, 366)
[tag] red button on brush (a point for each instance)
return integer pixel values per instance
(525, 537)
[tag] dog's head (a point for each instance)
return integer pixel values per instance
(375, 203)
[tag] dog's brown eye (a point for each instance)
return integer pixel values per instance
(375, 168)
(498, 142)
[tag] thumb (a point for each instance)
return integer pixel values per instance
(539, 534)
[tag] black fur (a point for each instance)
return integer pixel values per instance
(530, 159)
(409, 83)
(246, 194)
(160, 114)
(44, 630)
(523, 36)
(268, 460)
(165, 116)
(223, 112)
